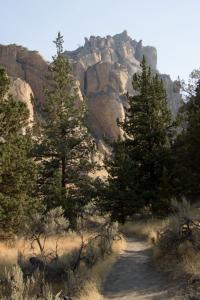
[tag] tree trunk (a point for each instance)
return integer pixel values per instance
(63, 172)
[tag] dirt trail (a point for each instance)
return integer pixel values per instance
(134, 278)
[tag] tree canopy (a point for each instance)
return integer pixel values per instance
(138, 168)
(17, 169)
(65, 147)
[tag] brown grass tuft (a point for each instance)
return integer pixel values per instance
(9, 254)
(92, 287)
(148, 229)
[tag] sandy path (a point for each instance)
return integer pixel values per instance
(134, 278)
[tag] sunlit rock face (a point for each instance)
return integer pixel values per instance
(104, 67)
(103, 70)
(22, 91)
(19, 62)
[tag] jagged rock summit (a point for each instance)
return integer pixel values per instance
(103, 68)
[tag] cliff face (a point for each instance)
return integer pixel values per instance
(22, 91)
(104, 68)
(27, 65)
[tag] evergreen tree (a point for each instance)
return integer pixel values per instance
(138, 170)
(186, 149)
(17, 170)
(65, 145)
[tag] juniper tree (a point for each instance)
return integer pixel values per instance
(17, 169)
(139, 166)
(65, 147)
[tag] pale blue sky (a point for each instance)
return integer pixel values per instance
(172, 26)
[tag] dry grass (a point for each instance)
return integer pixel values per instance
(191, 264)
(180, 260)
(9, 252)
(145, 228)
(86, 282)
(177, 250)
(65, 244)
(90, 292)
(92, 287)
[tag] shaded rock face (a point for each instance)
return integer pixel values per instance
(104, 67)
(173, 96)
(27, 65)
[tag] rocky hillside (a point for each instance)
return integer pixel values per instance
(103, 68)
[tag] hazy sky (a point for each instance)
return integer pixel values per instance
(172, 26)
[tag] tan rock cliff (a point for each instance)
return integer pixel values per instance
(22, 91)
(103, 69)
(19, 62)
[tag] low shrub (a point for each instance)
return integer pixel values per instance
(44, 276)
(177, 249)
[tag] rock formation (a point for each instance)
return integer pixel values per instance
(103, 69)
(27, 65)
(22, 91)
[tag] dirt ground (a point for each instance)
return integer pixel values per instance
(134, 277)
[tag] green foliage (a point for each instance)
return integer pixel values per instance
(139, 174)
(187, 145)
(17, 169)
(65, 147)
(4, 83)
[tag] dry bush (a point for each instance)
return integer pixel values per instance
(40, 226)
(9, 255)
(16, 288)
(78, 257)
(97, 274)
(178, 248)
(35, 263)
(14, 283)
(178, 245)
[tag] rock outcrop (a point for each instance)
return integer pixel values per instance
(27, 65)
(104, 68)
(22, 91)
